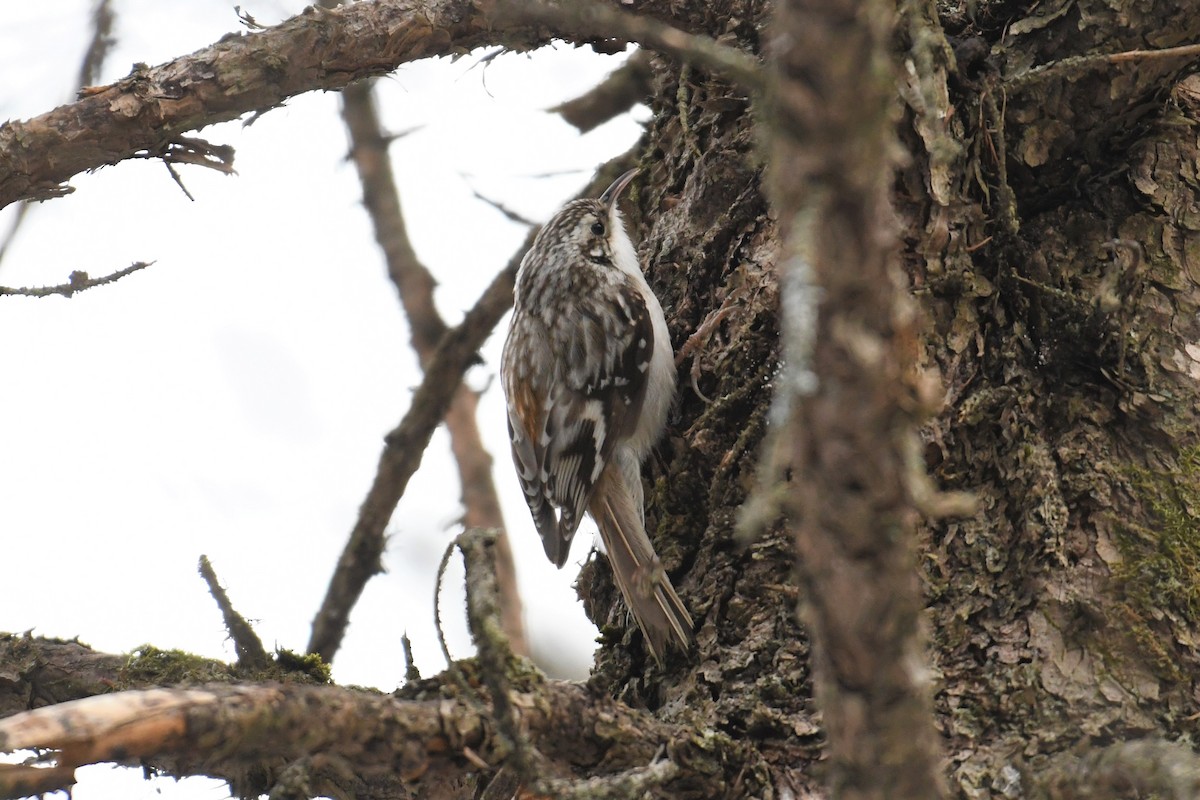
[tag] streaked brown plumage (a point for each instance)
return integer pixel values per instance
(589, 376)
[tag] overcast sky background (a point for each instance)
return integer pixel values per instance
(231, 399)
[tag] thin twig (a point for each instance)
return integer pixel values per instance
(1182, 51)
(103, 18)
(1006, 198)
(89, 72)
(178, 180)
(411, 673)
(77, 282)
(1081, 63)
(250, 651)
(510, 214)
(14, 226)
(466, 690)
(478, 547)
(439, 576)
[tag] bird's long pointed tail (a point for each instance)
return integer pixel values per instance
(644, 584)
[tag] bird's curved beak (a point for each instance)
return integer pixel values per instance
(613, 193)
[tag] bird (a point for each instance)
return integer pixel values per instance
(589, 377)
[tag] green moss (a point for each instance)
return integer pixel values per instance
(1146, 642)
(148, 665)
(1160, 571)
(309, 665)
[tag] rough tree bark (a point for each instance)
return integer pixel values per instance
(1049, 233)
(1052, 242)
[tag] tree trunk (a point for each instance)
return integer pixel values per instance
(1058, 272)
(1050, 232)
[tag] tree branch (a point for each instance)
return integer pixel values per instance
(319, 49)
(402, 454)
(89, 71)
(628, 85)
(586, 18)
(250, 651)
(415, 285)
(79, 281)
(39, 672)
(153, 106)
(248, 734)
(1079, 64)
(97, 50)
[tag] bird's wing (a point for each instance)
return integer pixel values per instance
(563, 433)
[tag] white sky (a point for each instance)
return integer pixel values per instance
(231, 400)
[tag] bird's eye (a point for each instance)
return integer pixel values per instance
(598, 228)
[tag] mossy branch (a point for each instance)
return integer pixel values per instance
(248, 734)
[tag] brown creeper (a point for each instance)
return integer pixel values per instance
(589, 377)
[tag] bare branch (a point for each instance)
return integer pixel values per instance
(1078, 64)
(221, 730)
(324, 49)
(250, 651)
(402, 454)
(584, 18)
(415, 285)
(78, 282)
(509, 214)
(413, 282)
(439, 576)
(89, 71)
(224, 730)
(628, 85)
(317, 49)
(93, 59)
